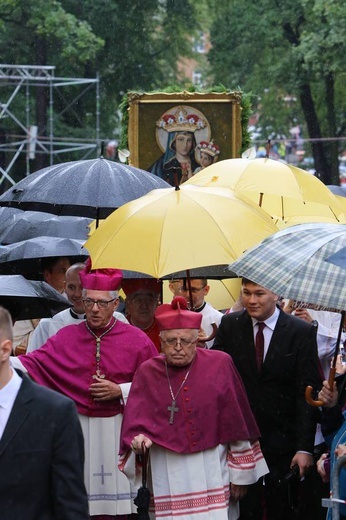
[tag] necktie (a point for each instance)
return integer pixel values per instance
(259, 344)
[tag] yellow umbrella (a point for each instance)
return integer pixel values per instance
(297, 212)
(273, 185)
(170, 230)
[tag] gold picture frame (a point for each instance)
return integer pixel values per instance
(213, 118)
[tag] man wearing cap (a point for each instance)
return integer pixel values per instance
(50, 326)
(93, 363)
(142, 298)
(190, 409)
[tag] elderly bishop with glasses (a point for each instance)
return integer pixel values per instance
(188, 407)
(93, 363)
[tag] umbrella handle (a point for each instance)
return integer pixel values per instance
(309, 389)
(145, 455)
(212, 335)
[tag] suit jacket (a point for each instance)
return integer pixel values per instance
(276, 392)
(42, 458)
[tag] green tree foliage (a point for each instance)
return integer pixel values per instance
(143, 40)
(131, 45)
(280, 49)
(68, 41)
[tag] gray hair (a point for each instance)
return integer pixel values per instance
(113, 294)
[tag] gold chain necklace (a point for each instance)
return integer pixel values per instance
(174, 408)
(98, 348)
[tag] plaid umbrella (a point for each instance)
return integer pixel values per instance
(293, 263)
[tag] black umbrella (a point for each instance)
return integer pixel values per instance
(92, 188)
(6, 213)
(26, 299)
(213, 272)
(25, 256)
(24, 225)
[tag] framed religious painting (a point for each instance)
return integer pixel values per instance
(175, 135)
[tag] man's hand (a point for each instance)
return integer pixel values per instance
(237, 492)
(136, 444)
(289, 307)
(305, 462)
(303, 314)
(329, 397)
(104, 390)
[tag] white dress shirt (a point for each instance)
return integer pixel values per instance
(8, 396)
(268, 329)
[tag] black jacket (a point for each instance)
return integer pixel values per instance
(42, 458)
(276, 393)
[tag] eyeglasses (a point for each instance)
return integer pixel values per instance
(194, 290)
(173, 342)
(102, 304)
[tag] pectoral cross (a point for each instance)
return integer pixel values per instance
(172, 409)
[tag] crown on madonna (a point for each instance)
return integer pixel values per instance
(181, 121)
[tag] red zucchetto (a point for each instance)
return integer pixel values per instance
(175, 315)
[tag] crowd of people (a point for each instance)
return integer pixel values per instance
(210, 405)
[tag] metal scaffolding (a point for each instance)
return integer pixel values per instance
(18, 78)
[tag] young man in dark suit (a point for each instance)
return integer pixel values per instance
(41, 446)
(275, 366)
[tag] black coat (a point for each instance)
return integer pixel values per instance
(42, 458)
(276, 393)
